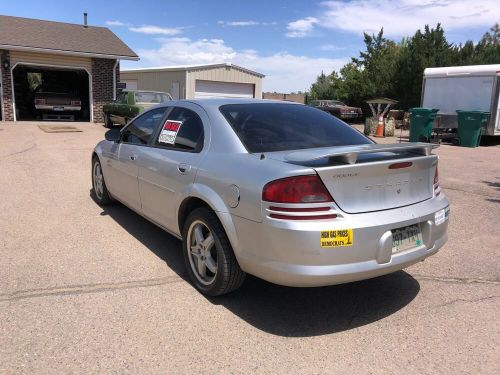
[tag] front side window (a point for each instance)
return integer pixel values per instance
(122, 98)
(143, 127)
(182, 130)
(267, 127)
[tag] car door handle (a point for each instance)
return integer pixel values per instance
(133, 157)
(183, 168)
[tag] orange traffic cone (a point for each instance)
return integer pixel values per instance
(380, 127)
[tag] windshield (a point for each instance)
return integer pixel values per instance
(266, 127)
(151, 97)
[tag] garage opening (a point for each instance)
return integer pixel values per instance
(52, 94)
(214, 89)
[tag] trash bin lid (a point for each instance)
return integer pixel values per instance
(424, 110)
(473, 112)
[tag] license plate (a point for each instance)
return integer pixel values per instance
(406, 238)
(58, 108)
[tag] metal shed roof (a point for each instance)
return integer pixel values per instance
(34, 35)
(192, 67)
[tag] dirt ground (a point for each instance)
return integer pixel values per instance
(85, 289)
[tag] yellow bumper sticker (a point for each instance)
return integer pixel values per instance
(336, 238)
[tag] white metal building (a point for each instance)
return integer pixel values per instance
(196, 81)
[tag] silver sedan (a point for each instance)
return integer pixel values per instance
(279, 190)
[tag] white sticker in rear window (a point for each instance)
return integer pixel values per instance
(169, 131)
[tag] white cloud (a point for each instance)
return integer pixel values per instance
(301, 28)
(238, 23)
(156, 30)
(116, 23)
(404, 17)
(330, 47)
(284, 72)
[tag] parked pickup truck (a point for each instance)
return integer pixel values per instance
(338, 109)
(129, 104)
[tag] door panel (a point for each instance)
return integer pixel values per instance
(166, 170)
(124, 175)
(162, 185)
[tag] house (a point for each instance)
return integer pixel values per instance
(54, 56)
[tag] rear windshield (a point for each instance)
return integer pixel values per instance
(151, 97)
(267, 127)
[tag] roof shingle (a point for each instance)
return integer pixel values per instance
(22, 33)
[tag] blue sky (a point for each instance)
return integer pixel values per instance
(290, 41)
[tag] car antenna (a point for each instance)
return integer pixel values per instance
(262, 156)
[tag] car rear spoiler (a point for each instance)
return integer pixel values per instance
(349, 154)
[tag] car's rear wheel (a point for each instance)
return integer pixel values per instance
(107, 122)
(208, 255)
(100, 190)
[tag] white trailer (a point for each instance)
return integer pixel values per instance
(474, 87)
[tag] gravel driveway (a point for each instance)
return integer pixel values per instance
(85, 289)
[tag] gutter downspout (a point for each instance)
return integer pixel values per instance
(114, 78)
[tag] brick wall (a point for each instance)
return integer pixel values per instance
(102, 85)
(8, 113)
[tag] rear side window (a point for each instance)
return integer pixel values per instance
(267, 127)
(182, 130)
(142, 128)
(151, 97)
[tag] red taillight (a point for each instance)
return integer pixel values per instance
(76, 102)
(298, 189)
(39, 101)
(308, 217)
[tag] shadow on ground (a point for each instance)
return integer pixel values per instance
(493, 184)
(284, 311)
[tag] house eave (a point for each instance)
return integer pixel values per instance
(64, 52)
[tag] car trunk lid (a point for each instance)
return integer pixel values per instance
(373, 177)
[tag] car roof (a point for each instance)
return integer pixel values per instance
(217, 102)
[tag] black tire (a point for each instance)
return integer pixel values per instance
(229, 275)
(107, 122)
(100, 192)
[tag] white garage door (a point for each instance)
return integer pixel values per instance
(212, 89)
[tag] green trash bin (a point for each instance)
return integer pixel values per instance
(470, 127)
(421, 120)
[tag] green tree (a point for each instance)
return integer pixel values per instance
(378, 64)
(395, 70)
(322, 88)
(425, 49)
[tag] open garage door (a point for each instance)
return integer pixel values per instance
(45, 93)
(213, 89)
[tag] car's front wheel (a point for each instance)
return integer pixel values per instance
(208, 255)
(101, 193)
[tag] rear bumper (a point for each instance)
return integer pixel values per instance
(57, 108)
(347, 116)
(289, 253)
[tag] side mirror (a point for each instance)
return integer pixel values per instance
(113, 135)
